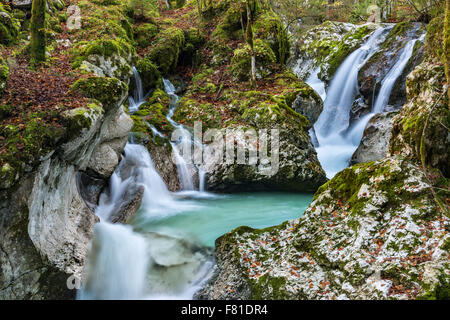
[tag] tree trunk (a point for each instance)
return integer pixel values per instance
(447, 45)
(251, 44)
(38, 41)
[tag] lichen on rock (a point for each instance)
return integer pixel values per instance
(372, 232)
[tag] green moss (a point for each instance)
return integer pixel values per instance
(194, 40)
(24, 145)
(166, 49)
(79, 119)
(240, 66)
(265, 284)
(4, 74)
(106, 90)
(145, 33)
(9, 27)
(150, 75)
(344, 48)
(38, 34)
(269, 26)
(441, 290)
(102, 47)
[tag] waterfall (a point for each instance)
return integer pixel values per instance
(337, 140)
(185, 140)
(335, 149)
(387, 84)
(121, 261)
(117, 264)
(318, 85)
(138, 99)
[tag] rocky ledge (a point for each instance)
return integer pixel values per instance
(372, 232)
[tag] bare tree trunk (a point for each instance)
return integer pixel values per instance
(447, 45)
(38, 37)
(251, 44)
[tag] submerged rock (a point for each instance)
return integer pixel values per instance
(372, 232)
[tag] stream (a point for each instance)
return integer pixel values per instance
(166, 250)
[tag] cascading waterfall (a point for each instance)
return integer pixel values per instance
(185, 140)
(317, 84)
(336, 139)
(357, 131)
(334, 146)
(121, 260)
(138, 99)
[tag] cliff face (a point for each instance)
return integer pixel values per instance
(49, 190)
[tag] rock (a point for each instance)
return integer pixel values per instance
(363, 237)
(424, 91)
(9, 27)
(167, 169)
(326, 46)
(177, 262)
(104, 160)
(90, 186)
(310, 105)
(374, 71)
(22, 4)
(294, 165)
(375, 142)
(4, 74)
(130, 204)
(46, 223)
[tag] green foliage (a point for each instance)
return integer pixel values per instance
(146, 10)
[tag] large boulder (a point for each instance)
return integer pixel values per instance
(372, 232)
(326, 47)
(374, 144)
(241, 115)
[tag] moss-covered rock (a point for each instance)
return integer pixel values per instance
(372, 232)
(326, 46)
(240, 66)
(4, 74)
(166, 49)
(145, 33)
(250, 111)
(108, 91)
(9, 26)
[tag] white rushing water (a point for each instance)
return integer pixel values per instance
(335, 146)
(336, 139)
(138, 98)
(317, 84)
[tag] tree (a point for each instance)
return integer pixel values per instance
(447, 45)
(249, 36)
(38, 37)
